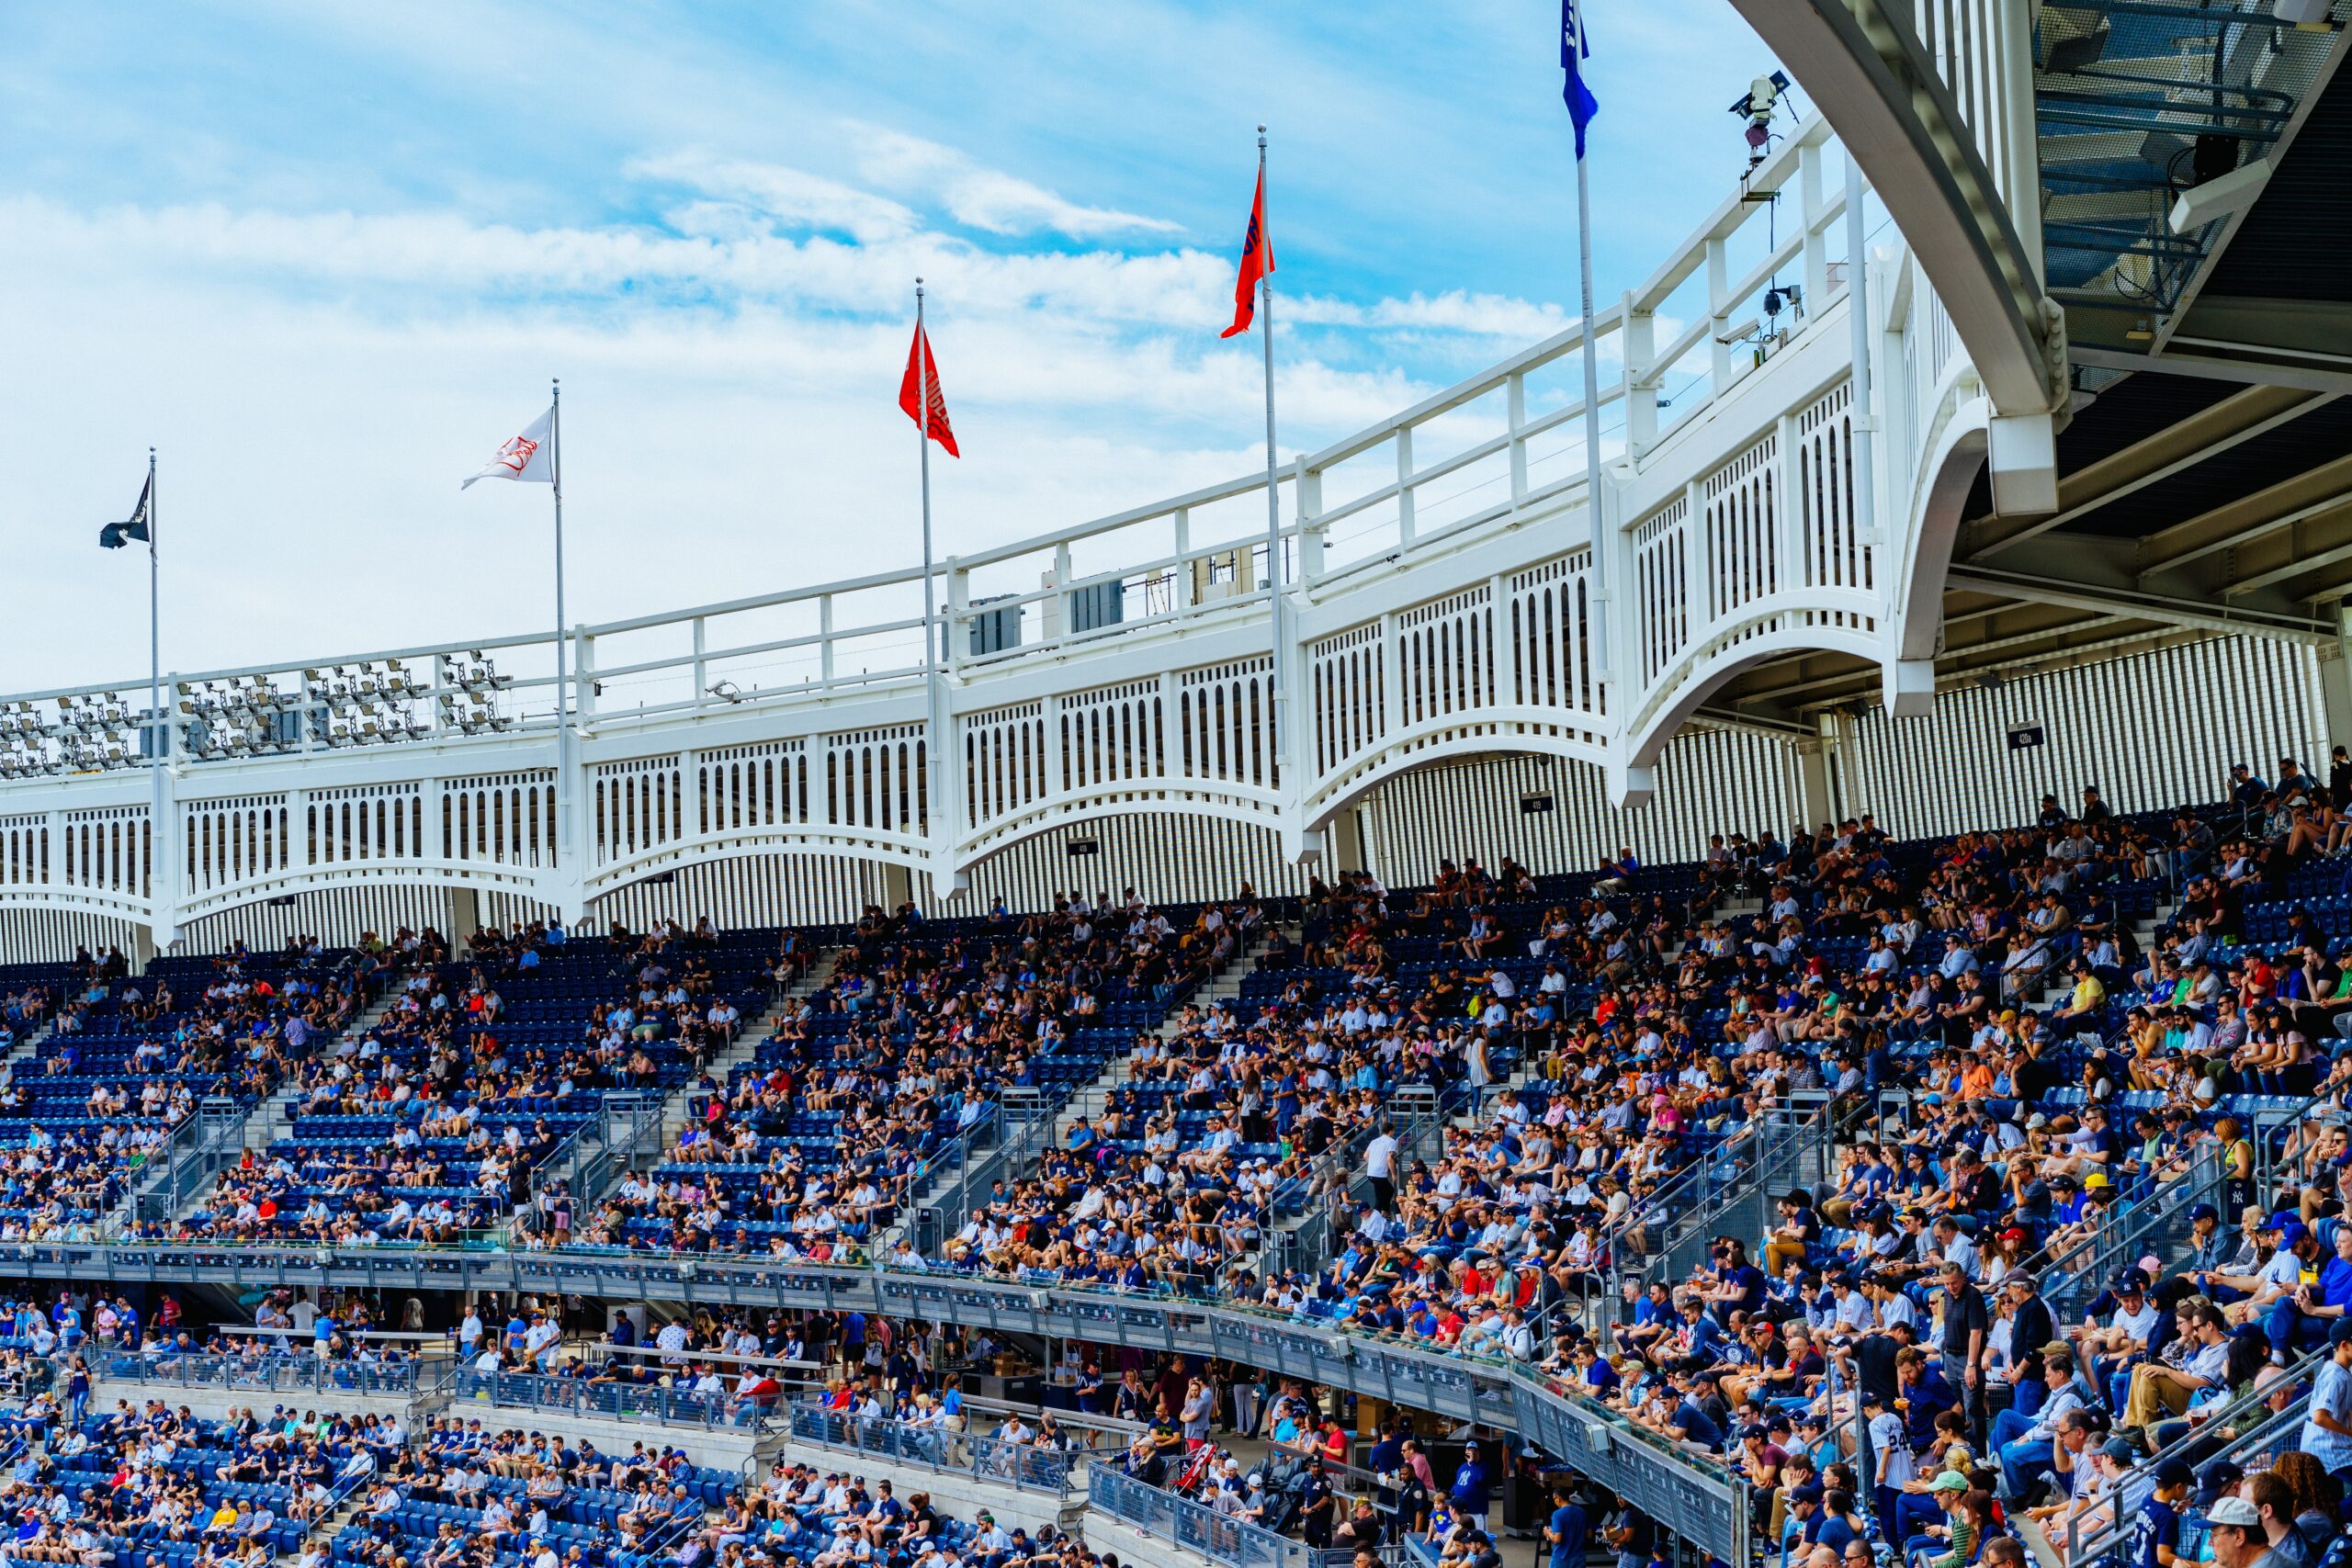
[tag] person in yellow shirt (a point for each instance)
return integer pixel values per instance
(2089, 992)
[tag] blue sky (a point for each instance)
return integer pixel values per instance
(326, 257)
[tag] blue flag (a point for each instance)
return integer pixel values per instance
(1574, 52)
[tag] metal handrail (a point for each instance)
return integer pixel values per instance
(580, 1396)
(2126, 1230)
(1023, 1466)
(1220, 1537)
(2257, 1441)
(268, 1373)
(1783, 1140)
(1647, 368)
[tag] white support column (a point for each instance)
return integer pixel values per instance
(1792, 568)
(1405, 485)
(465, 916)
(1184, 597)
(1813, 773)
(2020, 169)
(950, 821)
(1515, 398)
(1718, 313)
(1295, 734)
(567, 889)
(1392, 679)
(1629, 786)
(1306, 490)
(1346, 837)
(2335, 682)
(2023, 459)
(170, 869)
(1817, 238)
(959, 610)
(1702, 555)
(825, 640)
(898, 886)
(1506, 659)
(1640, 390)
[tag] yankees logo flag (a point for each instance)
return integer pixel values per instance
(1576, 47)
(922, 372)
(114, 535)
(1257, 261)
(525, 457)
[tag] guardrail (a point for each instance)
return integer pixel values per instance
(2082, 1271)
(614, 1401)
(1024, 1466)
(1486, 450)
(1336, 1178)
(1702, 1499)
(205, 1141)
(1728, 1191)
(1010, 1134)
(626, 1129)
(280, 1372)
(1220, 1537)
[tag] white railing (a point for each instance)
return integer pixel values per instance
(1445, 597)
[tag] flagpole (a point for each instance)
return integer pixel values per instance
(1599, 568)
(563, 684)
(156, 725)
(931, 651)
(1274, 501)
(938, 819)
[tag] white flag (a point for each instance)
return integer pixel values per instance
(525, 457)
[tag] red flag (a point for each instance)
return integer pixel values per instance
(921, 368)
(1256, 260)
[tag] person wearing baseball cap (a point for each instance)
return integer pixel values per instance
(2327, 1426)
(2239, 1540)
(2302, 1318)
(2156, 1531)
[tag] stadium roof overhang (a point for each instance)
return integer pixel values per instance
(2206, 476)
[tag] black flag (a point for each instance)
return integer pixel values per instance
(114, 535)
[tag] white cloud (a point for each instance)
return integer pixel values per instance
(793, 198)
(987, 198)
(320, 377)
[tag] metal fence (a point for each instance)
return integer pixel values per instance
(1024, 1466)
(1011, 1133)
(627, 1129)
(199, 1146)
(278, 1372)
(616, 1401)
(1220, 1537)
(1730, 1191)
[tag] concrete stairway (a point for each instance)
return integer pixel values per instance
(266, 1122)
(1223, 986)
(678, 1110)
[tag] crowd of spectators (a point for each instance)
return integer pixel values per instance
(814, 1149)
(436, 1123)
(125, 1060)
